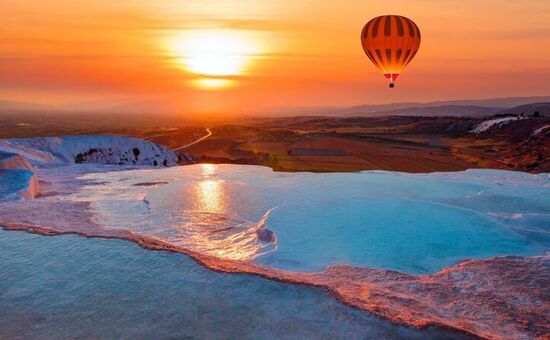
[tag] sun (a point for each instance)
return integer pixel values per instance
(214, 54)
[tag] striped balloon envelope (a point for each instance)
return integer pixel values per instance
(390, 42)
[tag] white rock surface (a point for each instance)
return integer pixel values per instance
(18, 179)
(486, 125)
(539, 130)
(103, 149)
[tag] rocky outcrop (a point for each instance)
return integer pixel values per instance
(265, 235)
(101, 149)
(495, 122)
(17, 157)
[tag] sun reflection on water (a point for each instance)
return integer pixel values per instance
(208, 169)
(212, 227)
(197, 208)
(211, 198)
(210, 195)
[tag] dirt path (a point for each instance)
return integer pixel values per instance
(209, 133)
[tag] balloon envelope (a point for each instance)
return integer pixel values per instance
(390, 42)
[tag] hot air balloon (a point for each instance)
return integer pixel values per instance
(390, 42)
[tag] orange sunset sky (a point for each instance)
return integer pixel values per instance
(253, 56)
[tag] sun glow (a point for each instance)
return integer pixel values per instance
(214, 54)
(212, 83)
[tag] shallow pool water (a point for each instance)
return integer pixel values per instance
(416, 223)
(71, 287)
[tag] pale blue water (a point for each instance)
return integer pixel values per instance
(416, 223)
(412, 223)
(13, 181)
(67, 287)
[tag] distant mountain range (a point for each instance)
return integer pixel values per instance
(474, 107)
(529, 109)
(442, 110)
